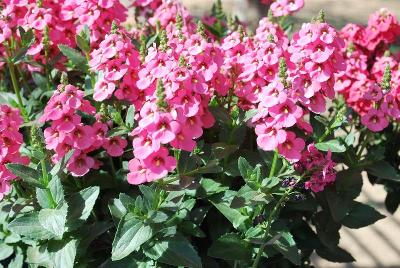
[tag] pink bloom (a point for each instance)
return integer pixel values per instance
(268, 137)
(103, 90)
(160, 163)
(374, 120)
(82, 137)
(80, 164)
(286, 113)
(115, 146)
(292, 147)
(164, 129)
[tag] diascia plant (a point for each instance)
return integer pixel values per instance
(178, 141)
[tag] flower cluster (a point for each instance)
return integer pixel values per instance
(176, 85)
(291, 81)
(318, 167)
(368, 88)
(68, 132)
(57, 22)
(118, 61)
(10, 142)
(286, 7)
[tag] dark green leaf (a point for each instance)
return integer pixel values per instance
(230, 247)
(383, 170)
(335, 254)
(287, 246)
(81, 205)
(57, 194)
(361, 215)
(27, 174)
(233, 215)
(60, 165)
(176, 251)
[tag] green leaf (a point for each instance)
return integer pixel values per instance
(27, 174)
(83, 39)
(65, 256)
(28, 225)
(5, 251)
(221, 150)
(57, 194)
(361, 215)
(81, 204)
(230, 247)
(18, 261)
(118, 131)
(250, 114)
(131, 234)
(233, 215)
(335, 254)
(73, 55)
(130, 116)
(383, 170)
(60, 165)
(176, 251)
(287, 246)
(245, 168)
(88, 233)
(333, 145)
(53, 220)
(209, 187)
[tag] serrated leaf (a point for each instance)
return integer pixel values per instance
(28, 225)
(27, 174)
(231, 247)
(65, 256)
(74, 56)
(57, 194)
(60, 165)
(53, 220)
(176, 251)
(81, 205)
(131, 234)
(233, 215)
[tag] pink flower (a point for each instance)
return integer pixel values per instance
(269, 137)
(103, 90)
(159, 163)
(138, 173)
(80, 164)
(374, 120)
(82, 137)
(164, 129)
(292, 147)
(115, 146)
(286, 113)
(144, 146)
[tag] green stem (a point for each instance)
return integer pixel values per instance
(273, 166)
(269, 222)
(14, 82)
(45, 178)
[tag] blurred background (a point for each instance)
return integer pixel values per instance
(377, 245)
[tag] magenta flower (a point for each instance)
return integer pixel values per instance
(115, 146)
(374, 120)
(159, 163)
(80, 164)
(292, 147)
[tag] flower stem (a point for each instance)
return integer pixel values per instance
(273, 166)
(270, 220)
